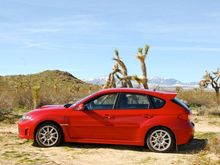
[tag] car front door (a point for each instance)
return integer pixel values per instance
(95, 122)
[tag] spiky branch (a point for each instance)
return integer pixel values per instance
(211, 79)
(142, 56)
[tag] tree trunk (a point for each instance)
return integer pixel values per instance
(217, 95)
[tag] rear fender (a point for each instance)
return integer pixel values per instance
(157, 121)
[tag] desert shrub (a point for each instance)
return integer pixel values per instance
(198, 98)
(7, 100)
(202, 102)
(8, 116)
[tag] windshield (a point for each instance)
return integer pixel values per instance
(80, 100)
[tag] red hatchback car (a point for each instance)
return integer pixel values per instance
(123, 116)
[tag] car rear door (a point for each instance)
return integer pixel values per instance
(131, 111)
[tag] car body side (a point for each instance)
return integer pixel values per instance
(129, 126)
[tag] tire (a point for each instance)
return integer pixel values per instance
(160, 140)
(48, 135)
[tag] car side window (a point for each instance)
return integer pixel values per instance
(157, 102)
(102, 102)
(133, 101)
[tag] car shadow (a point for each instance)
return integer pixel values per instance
(194, 146)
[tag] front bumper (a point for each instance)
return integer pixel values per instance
(25, 130)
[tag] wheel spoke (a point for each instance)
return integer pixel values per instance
(44, 140)
(52, 130)
(42, 137)
(44, 130)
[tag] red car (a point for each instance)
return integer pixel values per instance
(122, 116)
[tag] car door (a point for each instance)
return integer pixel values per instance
(95, 122)
(131, 111)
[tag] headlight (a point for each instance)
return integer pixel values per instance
(26, 117)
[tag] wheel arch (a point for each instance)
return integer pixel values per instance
(155, 127)
(49, 121)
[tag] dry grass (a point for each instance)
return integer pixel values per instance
(211, 153)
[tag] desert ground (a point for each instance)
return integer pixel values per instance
(204, 149)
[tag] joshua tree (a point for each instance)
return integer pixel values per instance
(212, 79)
(35, 95)
(119, 70)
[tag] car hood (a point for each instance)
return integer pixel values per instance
(51, 106)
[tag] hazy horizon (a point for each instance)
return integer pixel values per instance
(80, 37)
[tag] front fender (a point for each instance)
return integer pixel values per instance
(60, 120)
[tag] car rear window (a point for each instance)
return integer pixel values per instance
(180, 103)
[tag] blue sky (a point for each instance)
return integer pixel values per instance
(80, 36)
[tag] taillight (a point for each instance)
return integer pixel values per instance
(184, 116)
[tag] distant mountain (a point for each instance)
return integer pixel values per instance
(167, 81)
(154, 81)
(96, 81)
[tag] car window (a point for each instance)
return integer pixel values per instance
(157, 102)
(103, 102)
(133, 101)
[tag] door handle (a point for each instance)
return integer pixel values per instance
(108, 116)
(148, 116)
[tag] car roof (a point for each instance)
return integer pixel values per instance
(162, 94)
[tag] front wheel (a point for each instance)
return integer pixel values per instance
(160, 140)
(48, 135)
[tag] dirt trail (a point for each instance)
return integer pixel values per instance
(208, 125)
(16, 151)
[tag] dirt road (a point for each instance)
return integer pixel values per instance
(202, 150)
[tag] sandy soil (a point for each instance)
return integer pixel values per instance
(16, 151)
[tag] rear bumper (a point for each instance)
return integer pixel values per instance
(184, 133)
(25, 130)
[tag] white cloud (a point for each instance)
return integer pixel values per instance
(36, 44)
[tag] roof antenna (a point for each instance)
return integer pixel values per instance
(156, 88)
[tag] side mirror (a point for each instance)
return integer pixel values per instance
(67, 105)
(80, 107)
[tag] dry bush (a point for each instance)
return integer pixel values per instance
(201, 101)
(198, 97)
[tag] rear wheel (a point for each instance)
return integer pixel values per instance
(48, 135)
(160, 140)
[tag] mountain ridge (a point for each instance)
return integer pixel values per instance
(151, 81)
